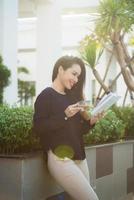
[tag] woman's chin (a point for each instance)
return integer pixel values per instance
(68, 87)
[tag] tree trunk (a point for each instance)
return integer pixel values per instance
(98, 78)
(128, 77)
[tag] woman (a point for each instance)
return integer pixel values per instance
(60, 121)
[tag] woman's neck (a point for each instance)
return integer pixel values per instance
(58, 87)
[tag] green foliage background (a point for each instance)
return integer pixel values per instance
(109, 129)
(4, 78)
(16, 136)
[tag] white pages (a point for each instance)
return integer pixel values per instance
(106, 102)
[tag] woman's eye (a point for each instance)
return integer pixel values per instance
(75, 74)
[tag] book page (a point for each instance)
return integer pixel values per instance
(106, 102)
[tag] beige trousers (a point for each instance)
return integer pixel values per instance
(73, 176)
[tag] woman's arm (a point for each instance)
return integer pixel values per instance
(90, 121)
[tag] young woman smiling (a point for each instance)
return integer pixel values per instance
(60, 122)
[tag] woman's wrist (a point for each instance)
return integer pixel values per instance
(85, 115)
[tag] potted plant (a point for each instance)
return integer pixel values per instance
(110, 156)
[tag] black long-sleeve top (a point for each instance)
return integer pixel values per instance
(63, 137)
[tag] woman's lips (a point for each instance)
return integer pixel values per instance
(72, 84)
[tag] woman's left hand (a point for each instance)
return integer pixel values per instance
(96, 118)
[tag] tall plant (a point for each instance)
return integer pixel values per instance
(91, 51)
(115, 21)
(4, 78)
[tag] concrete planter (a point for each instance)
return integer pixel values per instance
(112, 170)
(111, 174)
(25, 178)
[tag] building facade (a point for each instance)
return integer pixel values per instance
(35, 33)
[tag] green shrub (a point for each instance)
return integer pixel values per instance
(16, 130)
(110, 128)
(126, 114)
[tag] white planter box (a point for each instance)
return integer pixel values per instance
(25, 178)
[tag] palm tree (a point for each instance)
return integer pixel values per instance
(115, 20)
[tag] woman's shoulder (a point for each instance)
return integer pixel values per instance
(44, 94)
(47, 90)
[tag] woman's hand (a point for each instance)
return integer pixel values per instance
(71, 110)
(85, 112)
(96, 118)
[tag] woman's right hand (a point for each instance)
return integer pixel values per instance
(71, 110)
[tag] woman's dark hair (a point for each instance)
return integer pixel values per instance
(66, 62)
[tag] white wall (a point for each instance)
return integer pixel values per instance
(79, 3)
(74, 28)
(27, 46)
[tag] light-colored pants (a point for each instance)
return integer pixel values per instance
(73, 176)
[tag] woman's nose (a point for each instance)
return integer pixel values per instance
(76, 79)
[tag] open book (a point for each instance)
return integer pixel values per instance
(106, 102)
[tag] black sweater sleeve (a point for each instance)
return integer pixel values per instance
(86, 126)
(44, 120)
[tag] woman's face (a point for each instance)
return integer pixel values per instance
(69, 77)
